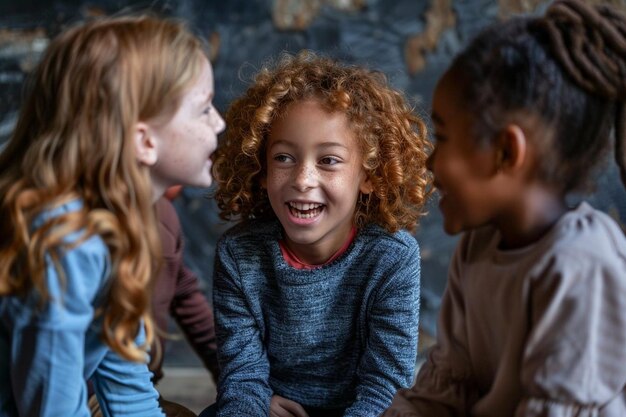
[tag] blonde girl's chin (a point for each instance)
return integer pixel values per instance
(204, 182)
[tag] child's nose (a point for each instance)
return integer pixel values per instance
(219, 123)
(305, 177)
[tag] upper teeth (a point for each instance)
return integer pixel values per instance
(304, 206)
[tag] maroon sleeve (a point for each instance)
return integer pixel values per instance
(194, 315)
(177, 291)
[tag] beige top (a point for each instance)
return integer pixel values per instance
(539, 331)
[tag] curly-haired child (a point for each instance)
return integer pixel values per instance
(533, 320)
(118, 110)
(316, 291)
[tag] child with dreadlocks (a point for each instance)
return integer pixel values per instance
(316, 292)
(533, 321)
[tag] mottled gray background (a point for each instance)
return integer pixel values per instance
(412, 41)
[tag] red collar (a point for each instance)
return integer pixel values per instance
(293, 260)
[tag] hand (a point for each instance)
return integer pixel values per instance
(282, 407)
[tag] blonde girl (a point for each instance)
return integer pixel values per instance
(111, 112)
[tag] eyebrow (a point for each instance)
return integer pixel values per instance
(437, 119)
(322, 145)
(333, 145)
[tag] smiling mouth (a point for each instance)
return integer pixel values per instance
(305, 210)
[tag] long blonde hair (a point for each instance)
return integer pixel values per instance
(74, 139)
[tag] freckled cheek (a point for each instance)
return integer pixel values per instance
(341, 189)
(198, 135)
(174, 146)
(277, 180)
(337, 184)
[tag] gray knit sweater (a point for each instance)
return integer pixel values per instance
(341, 337)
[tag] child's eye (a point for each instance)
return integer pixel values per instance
(207, 110)
(329, 160)
(282, 158)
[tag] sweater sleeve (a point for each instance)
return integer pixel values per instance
(47, 353)
(243, 386)
(443, 386)
(388, 362)
(124, 387)
(574, 362)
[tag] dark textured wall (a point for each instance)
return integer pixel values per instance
(412, 41)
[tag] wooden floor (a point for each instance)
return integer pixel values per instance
(192, 387)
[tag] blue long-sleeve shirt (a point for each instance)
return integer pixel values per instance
(343, 336)
(48, 352)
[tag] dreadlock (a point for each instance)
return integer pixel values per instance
(566, 70)
(590, 43)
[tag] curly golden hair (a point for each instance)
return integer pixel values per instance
(75, 139)
(391, 136)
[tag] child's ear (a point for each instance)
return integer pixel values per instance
(366, 186)
(145, 145)
(512, 148)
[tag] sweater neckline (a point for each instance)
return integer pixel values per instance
(296, 275)
(292, 259)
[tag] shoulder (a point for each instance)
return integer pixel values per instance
(86, 261)
(80, 256)
(250, 235)
(587, 248)
(390, 262)
(87, 268)
(381, 240)
(77, 245)
(390, 249)
(587, 234)
(80, 272)
(246, 249)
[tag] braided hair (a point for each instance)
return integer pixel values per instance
(564, 73)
